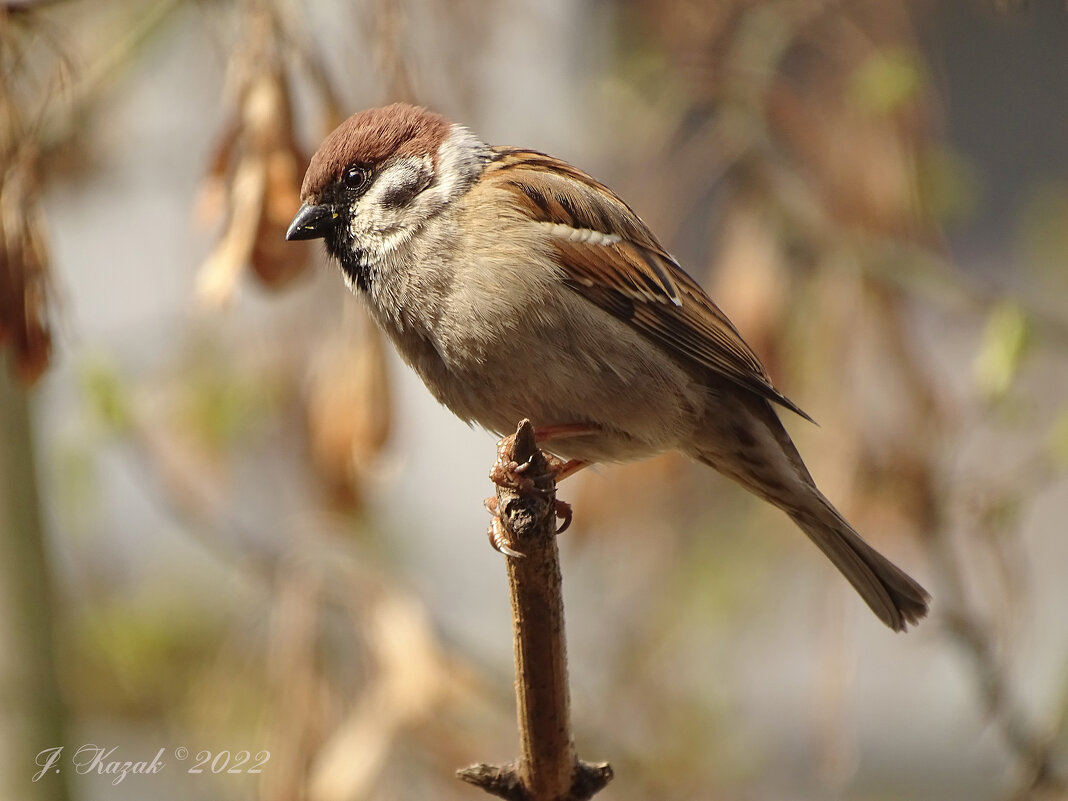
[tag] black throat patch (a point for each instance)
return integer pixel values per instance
(352, 263)
(350, 259)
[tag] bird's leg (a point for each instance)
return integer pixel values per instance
(562, 469)
(509, 473)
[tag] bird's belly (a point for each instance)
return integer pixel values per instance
(557, 361)
(636, 402)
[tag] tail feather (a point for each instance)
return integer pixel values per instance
(893, 596)
(745, 440)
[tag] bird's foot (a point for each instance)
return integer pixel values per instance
(498, 535)
(509, 473)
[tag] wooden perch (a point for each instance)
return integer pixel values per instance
(548, 768)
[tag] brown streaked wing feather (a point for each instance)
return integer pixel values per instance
(633, 278)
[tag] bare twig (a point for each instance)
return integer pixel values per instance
(548, 768)
(1034, 747)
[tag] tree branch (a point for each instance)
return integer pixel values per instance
(548, 768)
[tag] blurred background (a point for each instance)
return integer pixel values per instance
(231, 521)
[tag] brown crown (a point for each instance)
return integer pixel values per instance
(369, 137)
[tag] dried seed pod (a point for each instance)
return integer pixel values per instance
(24, 276)
(274, 260)
(349, 408)
(255, 174)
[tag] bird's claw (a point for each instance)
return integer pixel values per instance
(564, 513)
(498, 536)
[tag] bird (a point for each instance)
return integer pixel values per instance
(517, 286)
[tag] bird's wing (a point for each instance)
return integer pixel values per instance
(610, 257)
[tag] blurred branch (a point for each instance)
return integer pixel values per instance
(16, 7)
(33, 716)
(935, 500)
(85, 84)
(968, 629)
(809, 150)
(1036, 751)
(390, 29)
(928, 275)
(548, 768)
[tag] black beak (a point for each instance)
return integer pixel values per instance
(312, 222)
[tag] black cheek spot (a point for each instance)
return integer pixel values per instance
(398, 196)
(409, 185)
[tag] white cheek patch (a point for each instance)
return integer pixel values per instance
(408, 191)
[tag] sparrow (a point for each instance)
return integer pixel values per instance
(517, 286)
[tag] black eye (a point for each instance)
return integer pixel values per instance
(355, 177)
